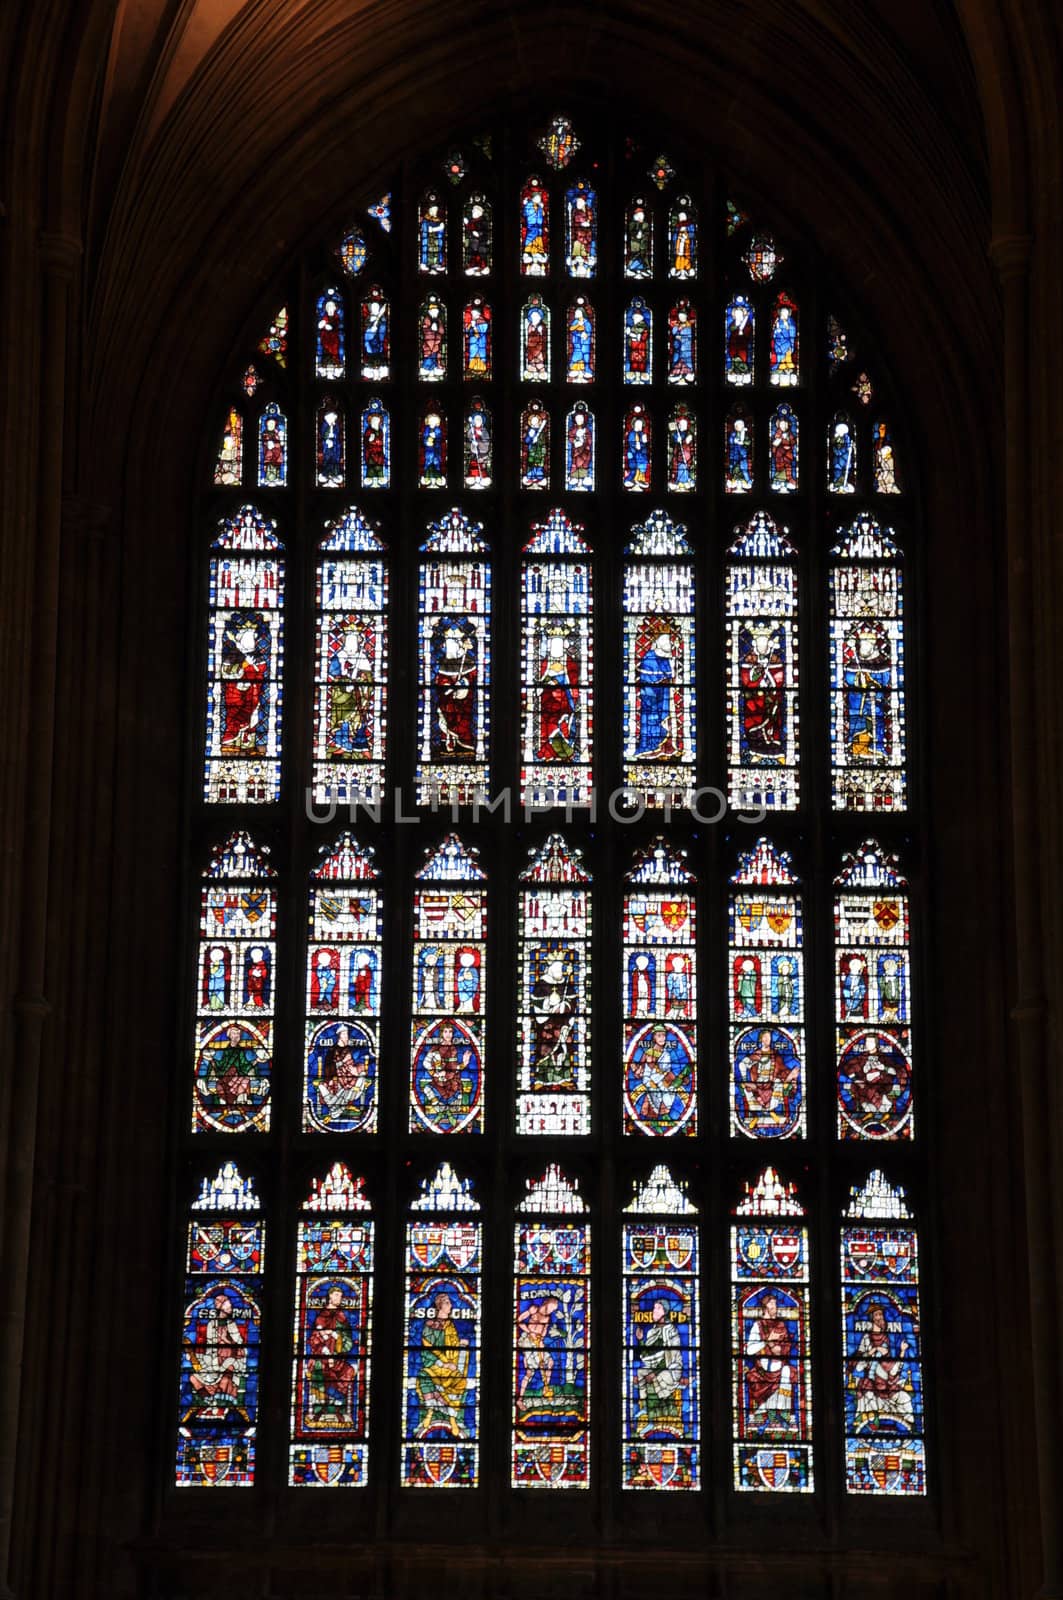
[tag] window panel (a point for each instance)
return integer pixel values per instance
(449, 1000)
(660, 729)
(441, 1337)
(763, 727)
(454, 629)
(332, 1336)
(551, 1337)
(872, 998)
(771, 1340)
(885, 1452)
(236, 980)
(351, 662)
(867, 648)
(661, 1340)
(343, 988)
(660, 995)
(217, 1429)
(554, 977)
(557, 653)
(766, 985)
(245, 662)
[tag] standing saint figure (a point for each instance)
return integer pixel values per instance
(769, 1378)
(656, 685)
(882, 1394)
(454, 682)
(659, 1374)
(443, 1371)
(219, 1362)
(558, 700)
(332, 1376)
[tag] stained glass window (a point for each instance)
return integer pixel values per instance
(229, 466)
(332, 1335)
(842, 457)
(376, 446)
(551, 1337)
(441, 1337)
(868, 725)
(882, 1347)
(638, 342)
(783, 447)
(235, 986)
(351, 662)
(762, 668)
(738, 460)
(454, 693)
(885, 462)
(557, 693)
(581, 230)
(660, 994)
(476, 252)
(245, 672)
(683, 239)
(766, 984)
(579, 341)
(580, 444)
(682, 450)
(554, 977)
(534, 229)
(329, 362)
(476, 321)
(661, 1338)
(449, 999)
(872, 989)
(638, 240)
(343, 985)
(739, 334)
(376, 335)
(660, 707)
(539, 326)
(221, 1338)
(331, 444)
(432, 350)
(771, 1340)
(432, 235)
(682, 343)
(535, 341)
(785, 343)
